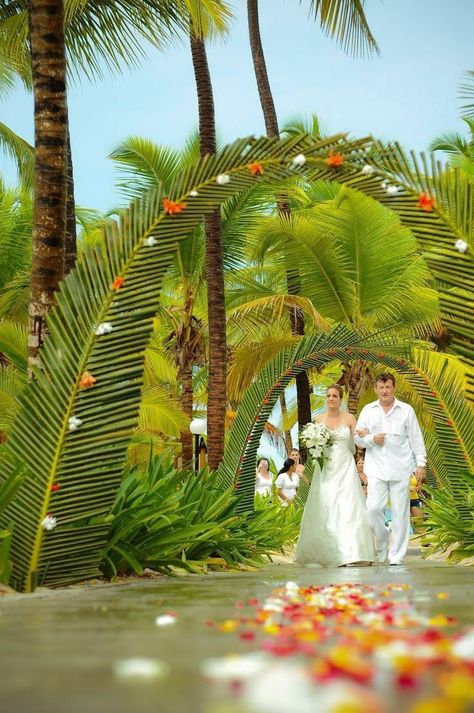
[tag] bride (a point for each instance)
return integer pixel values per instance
(335, 530)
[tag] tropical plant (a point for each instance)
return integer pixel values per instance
(96, 34)
(75, 420)
(357, 266)
(48, 67)
(345, 20)
(163, 519)
(216, 317)
(451, 415)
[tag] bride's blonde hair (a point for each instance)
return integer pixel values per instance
(338, 388)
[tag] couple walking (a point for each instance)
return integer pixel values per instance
(339, 525)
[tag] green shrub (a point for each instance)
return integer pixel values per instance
(164, 518)
(448, 527)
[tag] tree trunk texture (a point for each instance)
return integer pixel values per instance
(303, 390)
(287, 434)
(217, 389)
(70, 252)
(186, 379)
(50, 114)
(356, 378)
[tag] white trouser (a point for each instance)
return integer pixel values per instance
(378, 493)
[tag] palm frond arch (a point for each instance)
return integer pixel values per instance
(71, 475)
(452, 448)
(65, 454)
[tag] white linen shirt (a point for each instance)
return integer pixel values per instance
(403, 449)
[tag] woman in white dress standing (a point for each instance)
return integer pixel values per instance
(287, 482)
(263, 478)
(335, 529)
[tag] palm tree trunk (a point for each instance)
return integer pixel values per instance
(284, 412)
(271, 125)
(217, 393)
(186, 379)
(50, 112)
(70, 251)
(356, 378)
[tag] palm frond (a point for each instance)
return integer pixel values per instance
(21, 152)
(97, 378)
(345, 20)
(438, 207)
(466, 93)
(13, 343)
(14, 297)
(439, 384)
(12, 381)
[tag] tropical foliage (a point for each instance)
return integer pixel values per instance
(165, 519)
(85, 399)
(196, 299)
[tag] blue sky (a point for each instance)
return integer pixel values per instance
(408, 94)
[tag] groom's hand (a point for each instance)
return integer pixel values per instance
(379, 439)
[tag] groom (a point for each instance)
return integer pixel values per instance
(389, 431)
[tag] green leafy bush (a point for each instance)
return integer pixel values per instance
(449, 528)
(165, 518)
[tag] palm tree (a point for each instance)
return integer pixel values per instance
(346, 21)
(357, 266)
(48, 64)
(217, 399)
(460, 150)
(95, 34)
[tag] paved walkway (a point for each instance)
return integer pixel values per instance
(75, 650)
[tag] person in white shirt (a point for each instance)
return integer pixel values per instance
(263, 478)
(388, 429)
(287, 482)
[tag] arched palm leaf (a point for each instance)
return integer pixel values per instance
(451, 415)
(74, 474)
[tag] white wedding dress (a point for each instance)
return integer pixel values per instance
(335, 530)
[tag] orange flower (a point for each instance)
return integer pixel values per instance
(117, 283)
(256, 169)
(335, 160)
(426, 202)
(87, 380)
(173, 207)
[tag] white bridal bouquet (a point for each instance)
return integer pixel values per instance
(317, 438)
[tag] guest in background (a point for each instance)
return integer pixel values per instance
(287, 482)
(362, 475)
(263, 478)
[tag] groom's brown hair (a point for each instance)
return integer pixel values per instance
(385, 377)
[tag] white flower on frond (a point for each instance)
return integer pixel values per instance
(103, 328)
(150, 242)
(367, 170)
(193, 194)
(74, 423)
(299, 160)
(391, 190)
(222, 179)
(384, 185)
(49, 522)
(461, 246)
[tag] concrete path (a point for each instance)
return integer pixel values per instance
(69, 651)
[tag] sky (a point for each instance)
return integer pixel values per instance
(409, 93)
